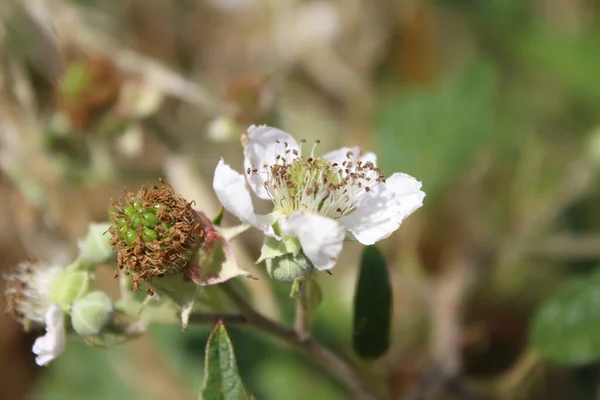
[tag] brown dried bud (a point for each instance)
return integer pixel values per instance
(155, 233)
(33, 287)
(87, 89)
(250, 99)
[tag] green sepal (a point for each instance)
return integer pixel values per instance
(296, 288)
(216, 263)
(181, 291)
(273, 248)
(121, 329)
(219, 217)
(95, 248)
(212, 299)
(127, 294)
(70, 286)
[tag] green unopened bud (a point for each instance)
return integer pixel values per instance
(289, 267)
(120, 330)
(95, 248)
(70, 286)
(91, 313)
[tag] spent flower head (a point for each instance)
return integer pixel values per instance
(38, 296)
(30, 292)
(317, 200)
(155, 233)
(175, 249)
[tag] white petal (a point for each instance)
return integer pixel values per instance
(321, 237)
(231, 190)
(262, 149)
(52, 344)
(384, 208)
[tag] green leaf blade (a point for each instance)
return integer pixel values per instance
(221, 379)
(372, 306)
(566, 330)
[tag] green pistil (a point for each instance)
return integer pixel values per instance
(304, 170)
(143, 222)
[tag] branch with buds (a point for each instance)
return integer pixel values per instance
(167, 253)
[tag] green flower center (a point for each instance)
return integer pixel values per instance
(316, 184)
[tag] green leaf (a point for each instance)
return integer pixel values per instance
(372, 306)
(566, 330)
(221, 378)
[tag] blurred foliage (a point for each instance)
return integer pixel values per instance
(79, 369)
(434, 132)
(565, 330)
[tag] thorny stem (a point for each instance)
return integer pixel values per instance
(325, 357)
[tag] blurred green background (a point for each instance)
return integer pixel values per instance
(492, 104)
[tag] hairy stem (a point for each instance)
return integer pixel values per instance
(302, 325)
(335, 365)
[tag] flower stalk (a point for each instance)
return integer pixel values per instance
(330, 361)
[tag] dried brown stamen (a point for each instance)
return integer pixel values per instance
(155, 232)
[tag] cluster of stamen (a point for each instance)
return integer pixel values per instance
(28, 292)
(155, 233)
(315, 184)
